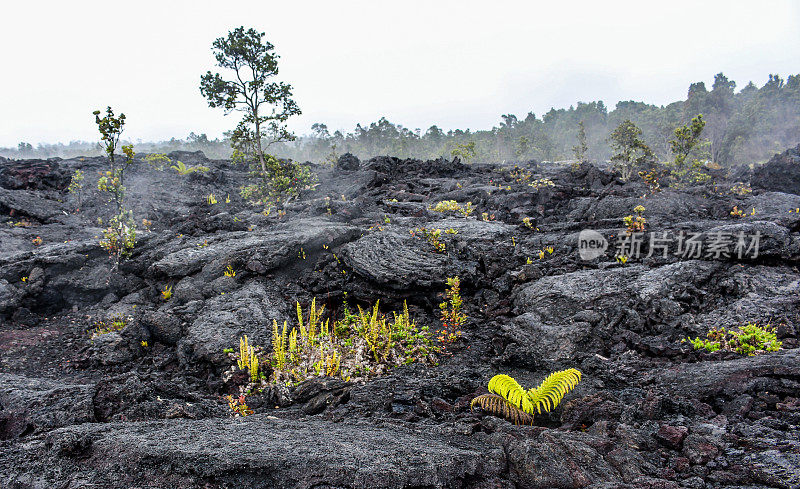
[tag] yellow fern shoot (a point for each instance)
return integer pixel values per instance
(279, 345)
(509, 400)
(552, 389)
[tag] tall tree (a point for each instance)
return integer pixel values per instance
(267, 105)
(631, 153)
(582, 147)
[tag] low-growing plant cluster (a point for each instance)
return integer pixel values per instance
(357, 346)
(741, 189)
(750, 339)
(433, 237)
(183, 169)
(277, 181)
(453, 318)
(110, 325)
(453, 207)
(635, 223)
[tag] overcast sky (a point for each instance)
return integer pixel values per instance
(457, 64)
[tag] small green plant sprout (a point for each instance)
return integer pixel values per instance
(450, 310)
(454, 207)
(741, 189)
(230, 272)
(76, 186)
(542, 183)
(24, 279)
(166, 293)
(211, 200)
(119, 238)
(509, 400)
(650, 178)
(635, 223)
(621, 259)
(228, 198)
(158, 161)
(750, 339)
(237, 405)
(528, 261)
(359, 345)
(182, 169)
(527, 222)
(386, 220)
(143, 344)
(248, 358)
(301, 254)
(432, 236)
(736, 212)
(112, 325)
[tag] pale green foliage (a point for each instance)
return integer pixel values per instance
(750, 339)
(465, 151)
(182, 169)
(282, 180)
(453, 207)
(356, 346)
(158, 161)
(119, 237)
(631, 153)
(688, 150)
(76, 186)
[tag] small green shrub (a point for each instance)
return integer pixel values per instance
(76, 186)
(182, 169)
(158, 161)
(452, 316)
(432, 236)
(454, 207)
(750, 339)
(635, 223)
(281, 181)
(465, 151)
(111, 325)
(357, 346)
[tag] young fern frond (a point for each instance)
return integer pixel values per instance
(552, 389)
(511, 391)
(498, 406)
(509, 400)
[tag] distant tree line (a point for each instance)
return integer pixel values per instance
(742, 127)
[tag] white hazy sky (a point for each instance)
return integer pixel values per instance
(457, 64)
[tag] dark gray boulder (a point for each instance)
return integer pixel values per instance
(348, 162)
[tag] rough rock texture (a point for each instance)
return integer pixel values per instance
(780, 174)
(144, 406)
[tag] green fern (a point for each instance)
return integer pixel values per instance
(553, 388)
(509, 400)
(510, 390)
